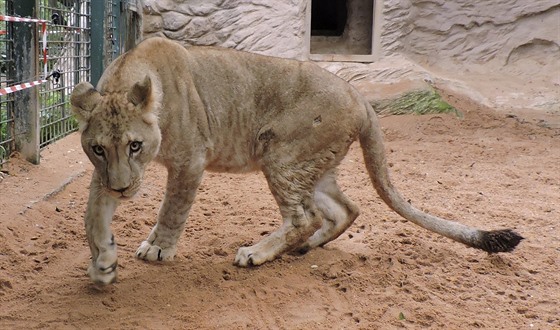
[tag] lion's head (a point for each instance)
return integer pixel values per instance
(120, 133)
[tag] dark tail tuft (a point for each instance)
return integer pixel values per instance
(498, 240)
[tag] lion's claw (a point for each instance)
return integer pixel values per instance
(247, 257)
(150, 252)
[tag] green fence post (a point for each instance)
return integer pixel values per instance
(97, 39)
(26, 105)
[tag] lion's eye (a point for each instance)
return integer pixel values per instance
(98, 150)
(135, 146)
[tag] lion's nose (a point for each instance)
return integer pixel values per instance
(121, 190)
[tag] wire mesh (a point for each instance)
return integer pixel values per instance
(6, 79)
(112, 12)
(68, 49)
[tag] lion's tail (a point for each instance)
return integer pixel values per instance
(371, 142)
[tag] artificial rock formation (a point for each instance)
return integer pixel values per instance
(260, 26)
(464, 30)
(465, 40)
(503, 30)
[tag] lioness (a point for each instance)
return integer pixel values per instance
(204, 108)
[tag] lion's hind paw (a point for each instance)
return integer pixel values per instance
(150, 252)
(250, 256)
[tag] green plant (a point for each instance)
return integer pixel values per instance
(419, 102)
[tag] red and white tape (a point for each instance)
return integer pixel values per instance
(21, 19)
(15, 88)
(44, 31)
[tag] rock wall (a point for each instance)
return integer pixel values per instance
(481, 31)
(473, 45)
(463, 30)
(261, 26)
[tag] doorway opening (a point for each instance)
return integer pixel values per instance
(343, 27)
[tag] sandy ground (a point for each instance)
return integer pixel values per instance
(490, 170)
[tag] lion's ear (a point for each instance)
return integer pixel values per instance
(84, 98)
(140, 93)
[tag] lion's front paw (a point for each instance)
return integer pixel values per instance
(249, 256)
(104, 270)
(150, 252)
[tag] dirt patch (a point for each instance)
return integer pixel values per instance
(488, 169)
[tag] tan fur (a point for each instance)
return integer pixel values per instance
(201, 108)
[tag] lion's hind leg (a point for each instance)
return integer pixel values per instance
(292, 188)
(337, 210)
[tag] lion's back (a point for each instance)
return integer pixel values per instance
(237, 94)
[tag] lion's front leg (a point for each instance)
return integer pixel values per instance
(99, 213)
(161, 244)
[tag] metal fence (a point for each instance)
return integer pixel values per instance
(111, 31)
(68, 44)
(122, 27)
(6, 79)
(33, 118)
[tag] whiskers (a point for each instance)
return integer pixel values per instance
(132, 189)
(98, 192)
(102, 190)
